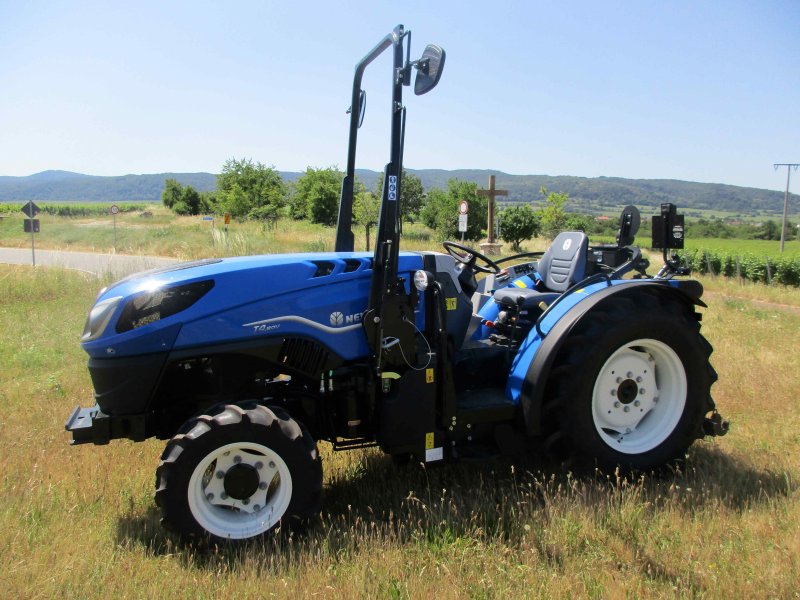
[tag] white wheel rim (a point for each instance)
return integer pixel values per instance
(228, 517)
(639, 396)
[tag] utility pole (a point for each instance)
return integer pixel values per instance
(789, 167)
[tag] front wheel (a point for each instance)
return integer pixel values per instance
(238, 475)
(631, 387)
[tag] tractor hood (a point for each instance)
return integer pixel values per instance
(219, 301)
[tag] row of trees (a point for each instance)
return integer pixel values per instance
(248, 189)
(252, 190)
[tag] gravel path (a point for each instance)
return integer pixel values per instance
(118, 265)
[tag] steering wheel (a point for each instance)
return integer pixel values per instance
(468, 257)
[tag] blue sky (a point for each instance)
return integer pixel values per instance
(700, 91)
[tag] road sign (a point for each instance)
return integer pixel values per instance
(463, 208)
(30, 209)
(31, 225)
(462, 223)
(114, 210)
(227, 218)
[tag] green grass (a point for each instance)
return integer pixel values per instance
(80, 522)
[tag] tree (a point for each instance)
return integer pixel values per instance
(366, 210)
(440, 212)
(317, 191)
(244, 186)
(578, 222)
(554, 217)
(412, 196)
(519, 223)
(172, 192)
(181, 200)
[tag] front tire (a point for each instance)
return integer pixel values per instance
(238, 474)
(631, 386)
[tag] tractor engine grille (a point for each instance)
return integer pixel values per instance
(304, 356)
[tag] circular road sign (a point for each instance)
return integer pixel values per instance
(114, 209)
(463, 207)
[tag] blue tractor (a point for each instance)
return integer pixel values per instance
(244, 364)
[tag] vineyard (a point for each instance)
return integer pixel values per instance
(76, 209)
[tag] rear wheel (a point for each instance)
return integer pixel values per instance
(238, 474)
(631, 386)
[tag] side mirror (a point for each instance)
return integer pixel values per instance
(362, 108)
(629, 223)
(429, 69)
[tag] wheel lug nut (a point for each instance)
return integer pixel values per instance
(617, 405)
(629, 375)
(256, 507)
(262, 485)
(627, 409)
(259, 465)
(619, 379)
(642, 391)
(220, 474)
(639, 380)
(613, 392)
(655, 399)
(245, 501)
(636, 403)
(272, 464)
(210, 497)
(224, 496)
(237, 459)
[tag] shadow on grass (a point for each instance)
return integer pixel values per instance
(375, 503)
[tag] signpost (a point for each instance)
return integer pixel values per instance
(463, 209)
(227, 222)
(114, 210)
(31, 225)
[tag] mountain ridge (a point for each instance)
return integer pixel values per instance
(590, 194)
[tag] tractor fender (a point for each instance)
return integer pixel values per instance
(531, 396)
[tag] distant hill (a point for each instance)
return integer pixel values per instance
(597, 194)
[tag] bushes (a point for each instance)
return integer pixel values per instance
(752, 267)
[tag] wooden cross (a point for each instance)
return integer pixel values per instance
(491, 193)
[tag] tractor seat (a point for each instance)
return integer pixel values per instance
(561, 267)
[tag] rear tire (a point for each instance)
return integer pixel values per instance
(238, 474)
(631, 385)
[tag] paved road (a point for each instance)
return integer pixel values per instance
(118, 265)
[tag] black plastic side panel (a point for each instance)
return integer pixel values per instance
(536, 378)
(124, 385)
(408, 412)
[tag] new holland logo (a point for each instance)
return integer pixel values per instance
(338, 319)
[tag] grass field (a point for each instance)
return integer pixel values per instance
(163, 234)
(81, 522)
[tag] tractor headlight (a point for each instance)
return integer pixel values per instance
(99, 317)
(423, 280)
(154, 305)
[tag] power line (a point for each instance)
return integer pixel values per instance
(789, 167)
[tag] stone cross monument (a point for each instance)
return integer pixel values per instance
(491, 246)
